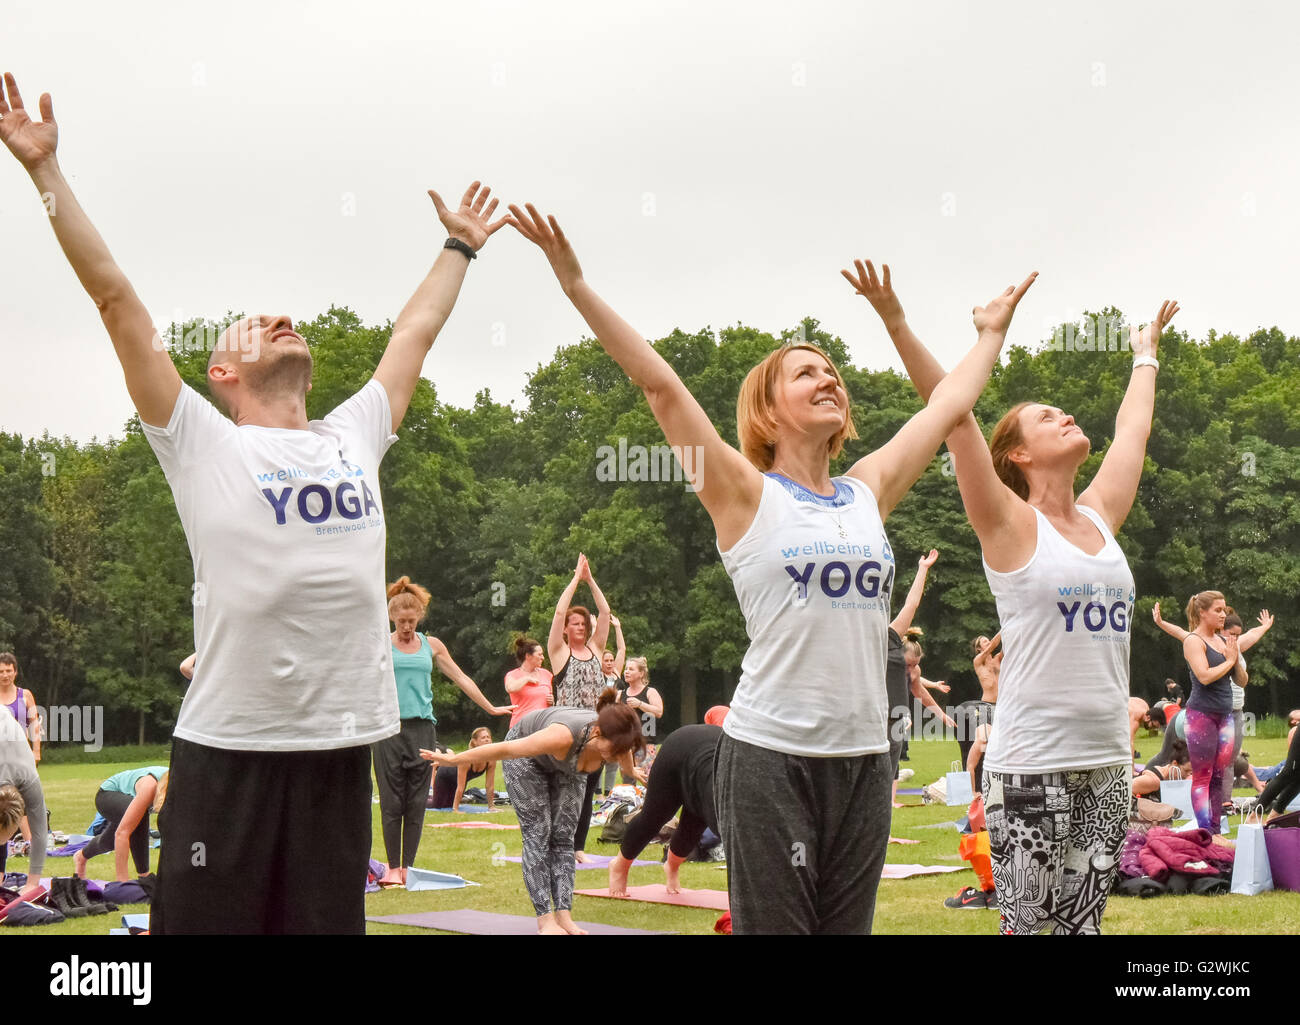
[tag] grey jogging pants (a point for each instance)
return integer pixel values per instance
(805, 838)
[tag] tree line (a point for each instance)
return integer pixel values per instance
(488, 507)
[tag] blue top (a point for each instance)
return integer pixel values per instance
(124, 782)
(414, 673)
(1211, 698)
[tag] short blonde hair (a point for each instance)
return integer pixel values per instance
(640, 662)
(756, 424)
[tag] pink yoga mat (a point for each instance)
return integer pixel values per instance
(469, 825)
(484, 923)
(597, 861)
(658, 894)
(903, 871)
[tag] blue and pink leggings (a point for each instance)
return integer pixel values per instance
(1210, 742)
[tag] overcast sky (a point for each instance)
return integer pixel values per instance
(712, 163)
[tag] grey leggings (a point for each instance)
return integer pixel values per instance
(547, 804)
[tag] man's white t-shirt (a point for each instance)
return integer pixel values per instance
(286, 530)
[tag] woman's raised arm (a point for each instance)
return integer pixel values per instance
(998, 516)
(1114, 488)
(727, 484)
(903, 621)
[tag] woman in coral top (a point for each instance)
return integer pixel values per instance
(529, 686)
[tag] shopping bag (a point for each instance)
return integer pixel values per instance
(1282, 840)
(1178, 792)
(958, 786)
(1250, 870)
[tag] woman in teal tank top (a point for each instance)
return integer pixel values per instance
(402, 775)
(125, 800)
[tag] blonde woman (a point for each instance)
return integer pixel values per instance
(643, 699)
(402, 775)
(1058, 766)
(125, 800)
(449, 783)
(812, 567)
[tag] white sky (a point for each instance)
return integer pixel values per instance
(1127, 152)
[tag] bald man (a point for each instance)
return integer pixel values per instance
(267, 817)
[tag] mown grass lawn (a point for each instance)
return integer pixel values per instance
(909, 906)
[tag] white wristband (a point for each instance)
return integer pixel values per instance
(1146, 361)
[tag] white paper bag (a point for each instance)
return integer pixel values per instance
(1250, 871)
(958, 786)
(1178, 792)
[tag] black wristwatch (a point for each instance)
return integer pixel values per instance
(464, 247)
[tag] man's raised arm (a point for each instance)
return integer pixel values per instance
(427, 310)
(151, 379)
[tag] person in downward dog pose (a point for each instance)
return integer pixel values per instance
(125, 800)
(803, 765)
(547, 757)
(579, 678)
(682, 779)
(1058, 766)
(285, 521)
(402, 775)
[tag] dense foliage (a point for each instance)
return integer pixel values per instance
(489, 506)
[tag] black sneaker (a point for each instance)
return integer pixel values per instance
(992, 901)
(970, 899)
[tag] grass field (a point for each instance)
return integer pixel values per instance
(909, 906)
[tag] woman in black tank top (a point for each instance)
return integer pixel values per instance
(647, 703)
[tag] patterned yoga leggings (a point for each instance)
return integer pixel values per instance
(1210, 739)
(547, 804)
(1056, 838)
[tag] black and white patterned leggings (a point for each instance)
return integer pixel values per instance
(547, 804)
(1056, 839)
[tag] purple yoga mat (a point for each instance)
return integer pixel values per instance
(909, 791)
(597, 861)
(484, 923)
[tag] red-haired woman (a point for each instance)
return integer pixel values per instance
(575, 642)
(547, 757)
(1058, 766)
(803, 773)
(403, 776)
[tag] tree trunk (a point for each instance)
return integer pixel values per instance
(141, 740)
(688, 714)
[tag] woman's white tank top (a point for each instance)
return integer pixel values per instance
(813, 575)
(1063, 693)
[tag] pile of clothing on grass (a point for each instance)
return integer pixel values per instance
(1160, 860)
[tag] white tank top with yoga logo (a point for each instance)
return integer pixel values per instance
(813, 576)
(1063, 692)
